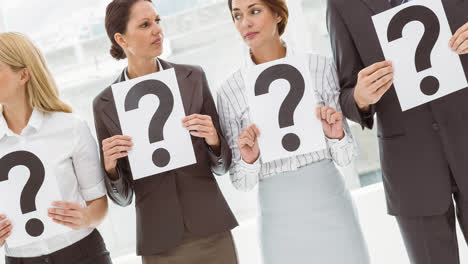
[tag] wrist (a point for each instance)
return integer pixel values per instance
(250, 161)
(87, 223)
(112, 173)
(337, 137)
(214, 146)
(90, 220)
(362, 106)
(341, 136)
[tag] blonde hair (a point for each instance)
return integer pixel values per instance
(18, 51)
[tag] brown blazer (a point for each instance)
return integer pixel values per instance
(420, 148)
(187, 197)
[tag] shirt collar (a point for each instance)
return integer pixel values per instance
(160, 67)
(36, 119)
(35, 122)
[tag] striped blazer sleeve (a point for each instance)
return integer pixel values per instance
(244, 176)
(342, 151)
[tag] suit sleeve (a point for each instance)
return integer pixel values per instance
(219, 164)
(349, 64)
(121, 190)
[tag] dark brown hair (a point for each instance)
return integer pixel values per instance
(277, 6)
(117, 16)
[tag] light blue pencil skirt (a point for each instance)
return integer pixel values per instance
(307, 216)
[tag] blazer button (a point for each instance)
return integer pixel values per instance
(435, 126)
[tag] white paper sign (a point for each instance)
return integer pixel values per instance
(282, 104)
(25, 197)
(154, 121)
(426, 71)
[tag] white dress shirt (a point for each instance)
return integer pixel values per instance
(76, 165)
(235, 117)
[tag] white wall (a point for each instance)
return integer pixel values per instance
(2, 20)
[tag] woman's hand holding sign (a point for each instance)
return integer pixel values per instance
(202, 126)
(114, 148)
(332, 122)
(248, 144)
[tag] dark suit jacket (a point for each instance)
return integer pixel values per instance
(187, 196)
(419, 148)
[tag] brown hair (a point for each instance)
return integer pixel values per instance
(277, 6)
(117, 16)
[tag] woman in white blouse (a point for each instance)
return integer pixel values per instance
(306, 212)
(32, 117)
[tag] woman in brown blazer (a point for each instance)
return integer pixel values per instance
(182, 216)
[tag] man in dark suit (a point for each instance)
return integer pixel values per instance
(422, 150)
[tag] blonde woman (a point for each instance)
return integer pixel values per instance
(306, 212)
(33, 114)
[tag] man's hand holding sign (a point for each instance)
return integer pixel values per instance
(372, 83)
(459, 40)
(414, 37)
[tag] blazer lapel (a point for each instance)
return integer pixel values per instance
(186, 86)
(109, 108)
(377, 6)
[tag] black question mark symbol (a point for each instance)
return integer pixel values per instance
(429, 85)
(34, 227)
(291, 141)
(161, 157)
